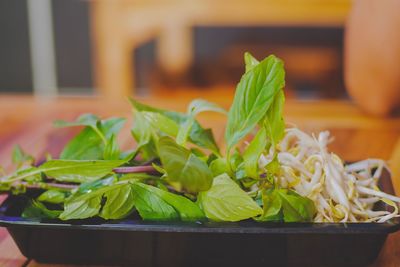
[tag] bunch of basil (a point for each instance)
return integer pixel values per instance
(176, 171)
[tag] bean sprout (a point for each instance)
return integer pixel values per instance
(341, 192)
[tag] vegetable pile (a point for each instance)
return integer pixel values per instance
(177, 171)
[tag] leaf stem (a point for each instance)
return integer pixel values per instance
(48, 186)
(228, 160)
(135, 169)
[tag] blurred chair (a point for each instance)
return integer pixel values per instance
(120, 26)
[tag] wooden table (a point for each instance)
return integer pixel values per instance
(27, 121)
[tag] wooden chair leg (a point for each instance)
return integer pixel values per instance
(112, 55)
(175, 47)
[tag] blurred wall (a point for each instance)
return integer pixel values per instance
(217, 50)
(72, 43)
(15, 63)
(72, 46)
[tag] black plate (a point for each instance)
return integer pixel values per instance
(135, 242)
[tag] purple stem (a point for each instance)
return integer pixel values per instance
(135, 169)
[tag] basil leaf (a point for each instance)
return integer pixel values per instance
(94, 185)
(143, 133)
(203, 138)
(52, 196)
(84, 146)
(198, 135)
(200, 105)
(30, 174)
(183, 166)
(195, 107)
(286, 205)
(236, 160)
(173, 115)
(226, 201)
(254, 96)
(250, 61)
(88, 144)
(79, 171)
(82, 207)
(19, 157)
(253, 153)
(89, 120)
(83, 120)
(111, 150)
(295, 207)
(273, 122)
(119, 202)
(187, 210)
(36, 210)
(162, 123)
(184, 131)
(151, 206)
(272, 205)
(219, 166)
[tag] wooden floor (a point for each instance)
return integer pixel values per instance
(27, 121)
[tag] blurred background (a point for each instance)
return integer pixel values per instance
(143, 47)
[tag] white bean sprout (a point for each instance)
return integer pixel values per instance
(341, 192)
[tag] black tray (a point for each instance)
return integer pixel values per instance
(135, 242)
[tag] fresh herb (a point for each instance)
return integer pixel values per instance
(286, 205)
(226, 201)
(176, 171)
(37, 210)
(93, 140)
(53, 196)
(183, 166)
(254, 96)
(19, 157)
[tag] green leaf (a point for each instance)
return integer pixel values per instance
(254, 96)
(162, 123)
(219, 166)
(286, 205)
(226, 201)
(184, 131)
(236, 160)
(151, 206)
(296, 208)
(111, 150)
(82, 207)
(79, 171)
(52, 196)
(272, 206)
(195, 107)
(119, 202)
(184, 167)
(198, 135)
(83, 120)
(88, 187)
(200, 105)
(253, 153)
(19, 157)
(203, 138)
(36, 210)
(143, 133)
(88, 144)
(173, 115)
(250, 61)
(187, 210)
(30, 174)
(273, 121)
